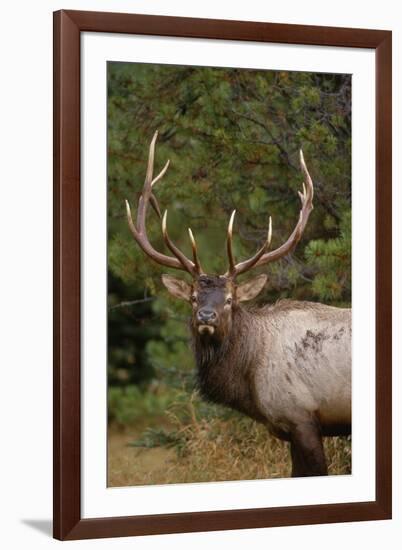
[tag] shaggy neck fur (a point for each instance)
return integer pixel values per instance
(225, 368)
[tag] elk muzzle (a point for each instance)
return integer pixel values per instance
(206, 320)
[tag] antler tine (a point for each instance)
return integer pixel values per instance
(139, 229)
(309, 182)
(251, 262)
(161, 174)
(147, 189)
(187, 264)
(303, 195)
(269, 236)
(195, 255)
(146, 246)
(155, 205)
(262, 257)
(151, 158)
(152, 199)
(131, 225)
(229, 247)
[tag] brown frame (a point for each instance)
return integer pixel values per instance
(68, 26)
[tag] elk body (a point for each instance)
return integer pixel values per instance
(286, 365)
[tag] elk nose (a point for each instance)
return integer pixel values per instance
(206, 315)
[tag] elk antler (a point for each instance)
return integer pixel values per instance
(262, 256)
(180, 261)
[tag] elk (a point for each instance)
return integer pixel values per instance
(286, 365)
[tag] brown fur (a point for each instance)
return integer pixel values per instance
(286, 365)
(225, 366)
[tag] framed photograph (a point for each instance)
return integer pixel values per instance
(222, 266)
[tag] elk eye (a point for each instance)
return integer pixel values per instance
(229, 300)
(193, 298)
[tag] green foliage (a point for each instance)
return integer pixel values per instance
(233, 138)
(331, 261)
(130, 404)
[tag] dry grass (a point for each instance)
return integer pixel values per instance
(128, 466)
(201, 450)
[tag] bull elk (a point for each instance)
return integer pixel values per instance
(287, 365)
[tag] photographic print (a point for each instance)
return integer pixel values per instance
(229, 274)
(203, 183)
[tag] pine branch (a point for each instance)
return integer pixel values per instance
(132, 303)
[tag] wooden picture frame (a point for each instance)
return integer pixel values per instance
(68, 26)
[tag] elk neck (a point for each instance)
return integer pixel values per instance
(225, 369)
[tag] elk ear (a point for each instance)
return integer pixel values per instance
(177, 287)
(249, 290)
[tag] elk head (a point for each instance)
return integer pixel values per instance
(213, 297)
